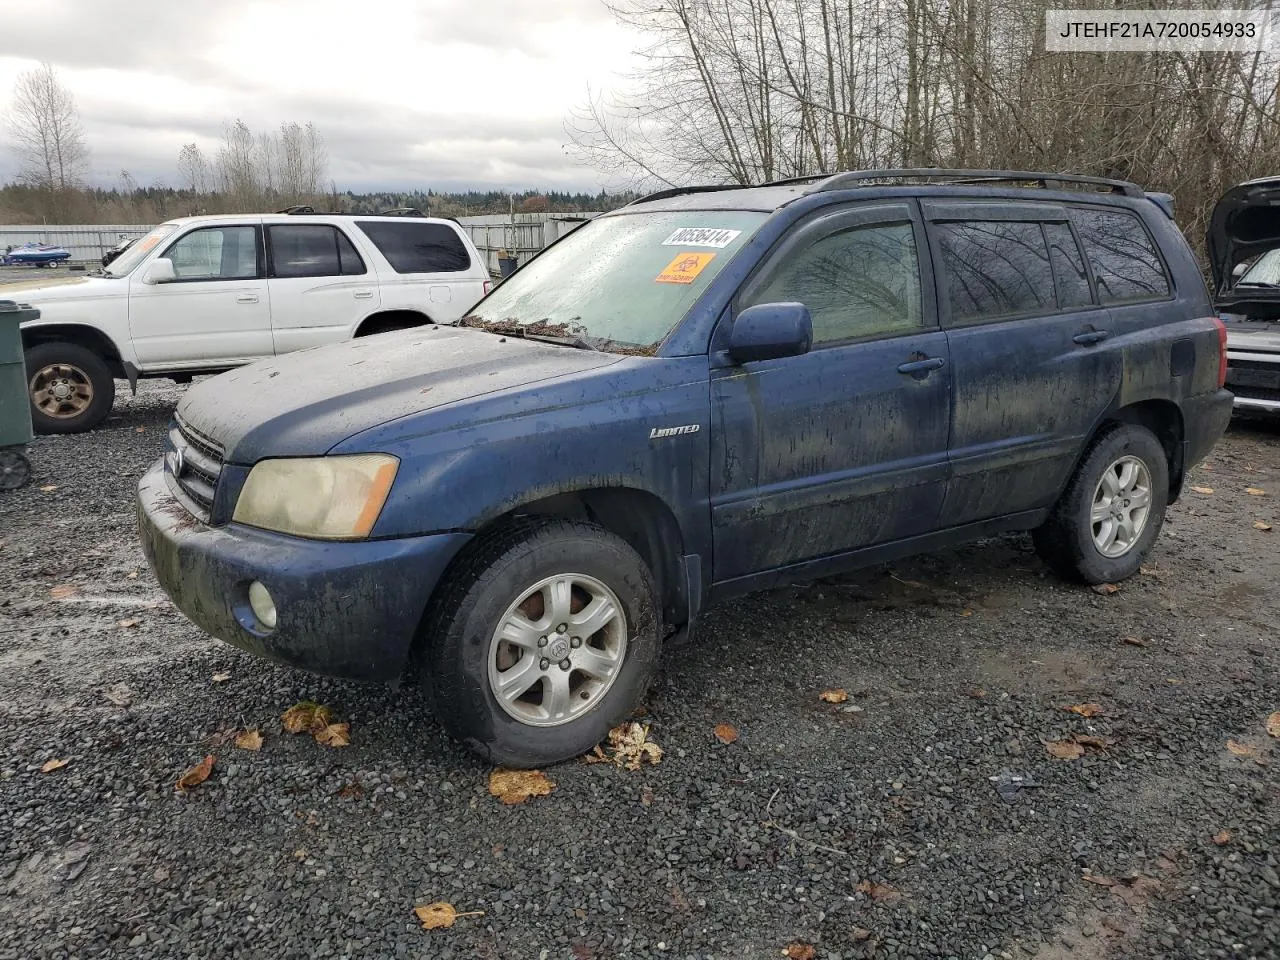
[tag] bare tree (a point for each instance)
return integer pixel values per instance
(193, 169)
(47, 136)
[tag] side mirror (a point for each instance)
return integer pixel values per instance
(1238, 270)
(160, 271)
(771, 330)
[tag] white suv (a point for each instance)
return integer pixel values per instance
(203, 294)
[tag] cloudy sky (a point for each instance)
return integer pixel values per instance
(407, 93)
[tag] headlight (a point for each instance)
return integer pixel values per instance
(328, 498)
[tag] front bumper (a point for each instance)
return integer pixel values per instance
(343, 609)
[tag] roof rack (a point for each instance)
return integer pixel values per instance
(297, 209)
(679, 191)
(401, 212)
(1048, 181)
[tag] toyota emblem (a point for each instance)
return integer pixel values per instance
(177, 462)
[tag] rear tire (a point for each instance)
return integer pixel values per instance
(1110, 514)
(519, 583)
(69, 387)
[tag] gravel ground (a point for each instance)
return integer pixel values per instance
(870, 828)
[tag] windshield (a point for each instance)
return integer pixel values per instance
(618, 283)
(122, 264)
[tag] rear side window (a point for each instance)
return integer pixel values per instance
(312, 250)
(995, 269)
(863, 282)
(1125, 262)
(418, 247)
(1068, 266)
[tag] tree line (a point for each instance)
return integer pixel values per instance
(249, 172)
(746, 91)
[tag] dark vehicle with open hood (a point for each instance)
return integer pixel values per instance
(1244, 256)
(707, 392)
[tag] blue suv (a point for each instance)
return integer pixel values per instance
(710, 391)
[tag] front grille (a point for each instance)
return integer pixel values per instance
(193, 463)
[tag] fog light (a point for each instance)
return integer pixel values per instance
(264, 608)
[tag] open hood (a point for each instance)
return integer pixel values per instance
(1245, 224)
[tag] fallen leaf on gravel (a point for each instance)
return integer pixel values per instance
(1100, 881)
(799, 951)
(351, 791)
(1240, 749)
(1273, 724)
(1088, 740)
(140, 430)
(517, 786)
(119, 695)
(966, 612)
(437, 916)
(725, 733)
(1086, 709)
(880, 892)
(1262, 525)
(131, 575)
(1255, 491)
(52, 765)
(62, 591)
(1135, 641)
(249, 740)
(1064, 749)
(49, 488)
(1106, 589)
(132, 622)
(860, 934)
(1222, 838)
(977, 693)
(1135, 890)
(834, 696)
(631, 746)
(305, 717)
(1205, 490)
(221, 677)
(646, 796)
(196, 775)
(334, 735)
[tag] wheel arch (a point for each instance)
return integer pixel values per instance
(91, 338)
(1164, 419)
(384, 321)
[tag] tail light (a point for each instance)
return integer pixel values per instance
(1222, 351)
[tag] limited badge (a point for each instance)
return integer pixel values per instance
(685, 268)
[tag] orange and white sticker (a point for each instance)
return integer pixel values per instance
(685, 268)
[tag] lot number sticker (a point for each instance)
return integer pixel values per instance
(701, 237)
(685, 268)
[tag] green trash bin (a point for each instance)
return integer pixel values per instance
(15, 406)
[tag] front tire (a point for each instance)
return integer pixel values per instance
(1110, 514)
(70, 388)
(545, 637)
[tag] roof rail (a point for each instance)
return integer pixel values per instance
(401, 212)
(788, 181)
(678, 191)
(297, 209)
(1048, 181)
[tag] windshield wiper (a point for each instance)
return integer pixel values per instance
(1256, 283)
(522, 331)
(577, 342)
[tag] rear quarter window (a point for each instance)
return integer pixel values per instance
(418, 247)
(1126, 265)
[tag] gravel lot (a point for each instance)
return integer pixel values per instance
(869, 828)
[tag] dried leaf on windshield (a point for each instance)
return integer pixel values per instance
(1064, 749)
(517, 786)
(306, 717)
(196, 775)
(249, 740)
(834, 696)
(1086, 709)
(725, 733)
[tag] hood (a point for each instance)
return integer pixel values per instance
(1245, 223)
(303, 403)
(63, 289)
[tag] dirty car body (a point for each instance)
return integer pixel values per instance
(698, 413)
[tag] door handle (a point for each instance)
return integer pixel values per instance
(1091, 337)
(247, 298)
(363, 294)
(920, 368)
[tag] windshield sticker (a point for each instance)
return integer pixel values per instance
(701, 237)
(148, 243)
(685, 268)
